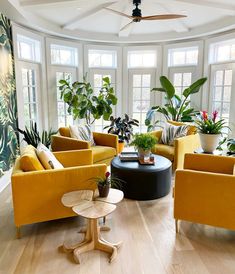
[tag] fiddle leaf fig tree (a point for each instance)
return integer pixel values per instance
(84, 103)
(176, 108)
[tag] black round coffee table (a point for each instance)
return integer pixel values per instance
(143, 182)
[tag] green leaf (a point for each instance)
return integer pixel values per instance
(195, 87)
(167, 86)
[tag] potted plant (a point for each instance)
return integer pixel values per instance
(84, 103)
(210, 130)
(144, 142)
(176, 108)
(104, 184)
(123, 128)
(32, 135)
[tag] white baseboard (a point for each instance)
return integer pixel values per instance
(5, 180)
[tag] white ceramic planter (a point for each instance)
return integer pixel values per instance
(209, 142)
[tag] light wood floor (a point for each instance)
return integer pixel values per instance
(150, 245)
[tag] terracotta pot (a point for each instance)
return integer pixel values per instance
(120, 146)
(209, 142)
(103, 190)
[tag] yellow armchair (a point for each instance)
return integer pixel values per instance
(176, 153)
(37, 194)
(106, 145)
(204, 191)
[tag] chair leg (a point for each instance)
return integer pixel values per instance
(104, 220)
(18, 233)
(176, 226)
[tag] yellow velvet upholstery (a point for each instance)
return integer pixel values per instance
(37, 195)
(163, 150)
(205, 190)
(106, 149)
(175, 154)
(29, 160)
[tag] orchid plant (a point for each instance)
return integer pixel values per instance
(208, 124)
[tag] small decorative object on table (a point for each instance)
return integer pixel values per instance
(151, 161)
(210, 130)
(128, 156)
(104, 184)
(144, 142)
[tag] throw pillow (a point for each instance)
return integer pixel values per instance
(171, 132)
(82, 132)
(47, 158)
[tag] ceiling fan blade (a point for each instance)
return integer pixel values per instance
(119, 13)
(163, 17)
(126, 26)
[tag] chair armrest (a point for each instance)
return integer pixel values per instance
(61, 143)
(183, 145)
(74, 158)
(105, 139)
(210, 163)
(157, 134)
(37, 195)
(205, 197)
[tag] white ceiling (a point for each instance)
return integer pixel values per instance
(88, 20)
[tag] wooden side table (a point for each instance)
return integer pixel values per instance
(83, 205)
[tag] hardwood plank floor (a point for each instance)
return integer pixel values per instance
(150, 244)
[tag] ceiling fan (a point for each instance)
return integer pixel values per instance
(137, 16)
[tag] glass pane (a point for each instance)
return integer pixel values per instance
(32, 93)
(24, 77)
(149, 60)
(219, 78)
(26, 94)
(223, 53)
(99, 122)
(137, 107)
(179, 58)
(61, 108)
(106, 60)
(178, 91)
(225, 110)
(217, 106)
(227, 93)
(97, 80)
(61, 121)
(146, 80)
(69, 120)
(59, 76)
(136, 116)
(25, 51)
(137, 93)
(31, 77)
(145, 106)
(233, 52)
(26, 112)
(99, 128)
(33, 108)
(146, 93)
(178, 79)
(192, 57)
(135, 60)
(187, 79)
(218, 93)
(228, 77)
(137, 80)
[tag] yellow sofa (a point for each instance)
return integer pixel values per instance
(37, 194)
(106, 145)
(183, 145)
(205, 191)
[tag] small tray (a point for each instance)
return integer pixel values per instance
(149, 163)
(128, 156)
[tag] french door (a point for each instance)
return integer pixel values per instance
(141, 81)
(58, 109)
(95, 78)
(222, 93)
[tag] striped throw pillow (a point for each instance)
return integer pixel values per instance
(82, 132)
(171, 132)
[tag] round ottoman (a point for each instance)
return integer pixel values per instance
(143, 182)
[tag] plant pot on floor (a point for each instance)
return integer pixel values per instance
(209, 142)
(103, 190)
